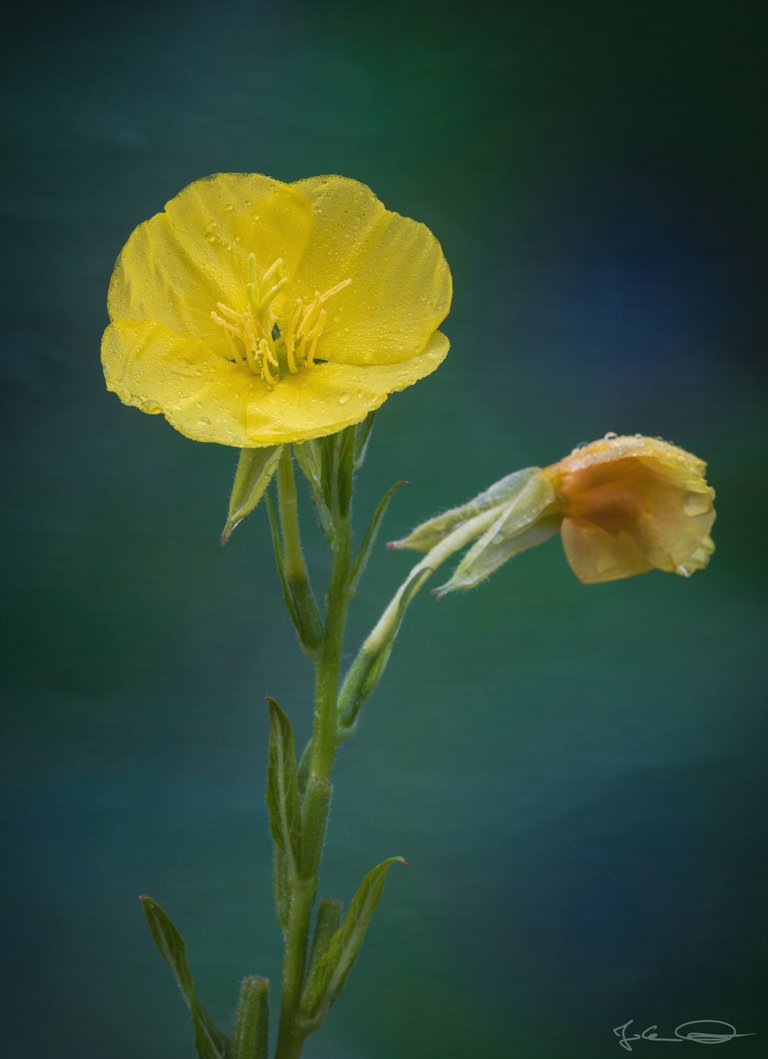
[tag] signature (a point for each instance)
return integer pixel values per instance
(700, 1031)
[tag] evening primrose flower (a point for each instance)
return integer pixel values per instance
(623, 505)
(631, 504)
(256, 313)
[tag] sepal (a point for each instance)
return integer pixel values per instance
(424, 537)
(255, 469)
(528, 518)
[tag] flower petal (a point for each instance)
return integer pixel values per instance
(596, 555)
(207, 398)
(177, 265)
(401, 285)
(329, 397)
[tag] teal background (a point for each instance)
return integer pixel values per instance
(575, 774)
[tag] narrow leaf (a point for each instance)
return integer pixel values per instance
(210, 1042)
(250, 1039)
(362, 437)
(345, 469)
(332, 969)
(369, 540)
(254, 473)
(282, 789)
(308, 456)
(281, 887)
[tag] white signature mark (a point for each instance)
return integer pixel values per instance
(706, 1034)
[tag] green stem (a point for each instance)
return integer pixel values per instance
(324, 745)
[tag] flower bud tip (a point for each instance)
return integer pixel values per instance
(391, 545)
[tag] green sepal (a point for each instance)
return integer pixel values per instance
(210, 1042)
(336, 470)
(309, 457)
(314, 818)
(366, 670)
(255, 469)
(362, 437)
(250, 1038)
(434, 530)
(528, 519)
(282, 789)
(330, 973)
(327, 922)
(369, 540)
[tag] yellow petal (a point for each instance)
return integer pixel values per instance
(329, 397)
(630, 497)
(176, 266)
(596, 555)
(209, 399)
(401, 285)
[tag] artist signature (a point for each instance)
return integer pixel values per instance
(700, 1031)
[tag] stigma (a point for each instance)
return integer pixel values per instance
(268, 343)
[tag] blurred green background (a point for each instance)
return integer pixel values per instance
(575, 774)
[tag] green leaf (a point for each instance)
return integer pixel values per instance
(364, 552)
(210, 1042)
(362, 437)
(282, 788)
(366, 670)
(250, 1039)
(327, 980)
(254, 473)
(281, 887)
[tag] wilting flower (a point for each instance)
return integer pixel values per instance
(254, 313)
(623, 505)
(630, 504)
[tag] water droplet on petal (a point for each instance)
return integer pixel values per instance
(344, 398)
(697, 504)
(684, 571)
(610, 435)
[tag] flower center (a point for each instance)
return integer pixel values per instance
(256, 338)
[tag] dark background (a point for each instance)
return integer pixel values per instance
(575, 774)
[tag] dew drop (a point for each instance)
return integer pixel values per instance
(229, 207)
(344, 398)
(205, 421)
(610, 435)
(684, 571)
(697, 504)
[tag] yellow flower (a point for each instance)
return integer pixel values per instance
(630, 504)
(254, 313)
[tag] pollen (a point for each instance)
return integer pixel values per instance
(271, 342)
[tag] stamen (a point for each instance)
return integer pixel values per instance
(256, 338)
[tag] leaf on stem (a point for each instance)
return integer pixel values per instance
(250, 1039)
(210, 1042)
(280, 562)
(362, 437)
(369, 540)
(330, 973)
(255, 469)
(282, 788)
